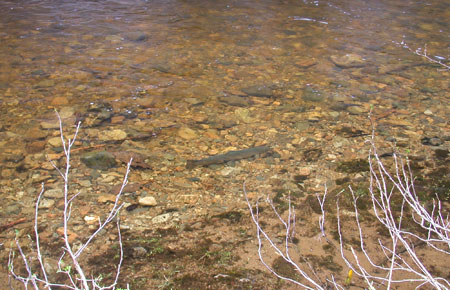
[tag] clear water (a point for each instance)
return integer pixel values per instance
(104, 49)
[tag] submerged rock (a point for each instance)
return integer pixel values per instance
(97, 113)
(55, 141)
(258, 91)
(441, 153)
(45, 84)
(348, 61)
(243, 115)
(187, 133)
(306, 63)
(115, 135)
(136, 36)
(150, 101)
(355, 110)
(161, 218)
(139, 252)
(13, 209)
(312, 95)
(147, 201)
(99, 160)
(431, 141)
(46, 203)
(49, 125)
(139, 159)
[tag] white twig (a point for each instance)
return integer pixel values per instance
(262, 235)
(80, 281)
(405, 261)
(322, 216)
(423, 53)
(401, 262)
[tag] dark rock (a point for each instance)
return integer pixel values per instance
(300, 178)
(132, 207)
(441, 153)
(136, 36)
(285, 269)
(35, 147)
(341, 181)
(431, 141)
(139, 252)
(311, 200)
(353, 166)
(99, 160)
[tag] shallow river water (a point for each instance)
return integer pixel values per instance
(86, 51)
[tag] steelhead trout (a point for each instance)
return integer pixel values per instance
(229, 156)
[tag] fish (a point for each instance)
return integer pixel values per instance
(229, 156)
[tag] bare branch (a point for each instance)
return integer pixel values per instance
(423, 53)
(401, 264)
(80, 281)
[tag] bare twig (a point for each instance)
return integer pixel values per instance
(406, 261)
(423, 53)
(263, 235)
(80, 281)
(401, 263)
